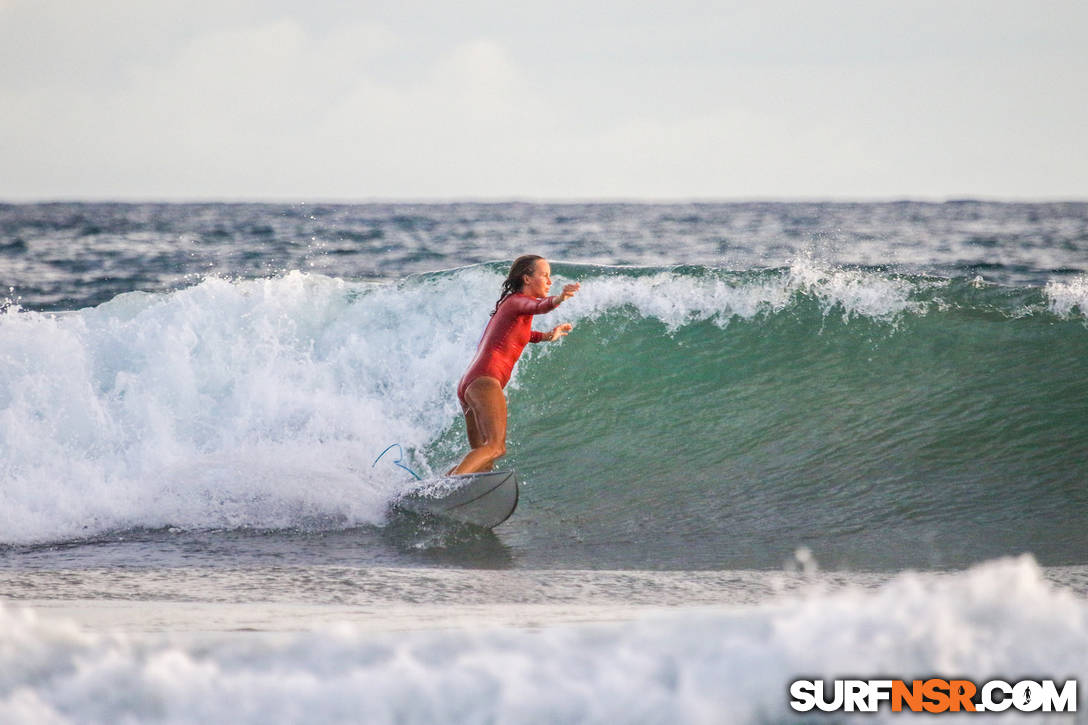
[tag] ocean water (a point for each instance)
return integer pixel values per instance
(783, 439)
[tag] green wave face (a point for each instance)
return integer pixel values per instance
(702, 418)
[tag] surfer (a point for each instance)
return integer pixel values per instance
(509, 330)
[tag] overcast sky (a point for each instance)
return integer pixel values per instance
(549, 99)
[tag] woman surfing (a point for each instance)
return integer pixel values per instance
(524, 294)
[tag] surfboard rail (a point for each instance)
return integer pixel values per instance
(481, 499)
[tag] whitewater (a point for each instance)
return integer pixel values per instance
(707, 664)
(781, 441)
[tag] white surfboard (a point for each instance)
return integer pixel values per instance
(482, 499)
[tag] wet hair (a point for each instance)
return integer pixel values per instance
(523, 265)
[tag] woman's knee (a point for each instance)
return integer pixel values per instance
(495, 450)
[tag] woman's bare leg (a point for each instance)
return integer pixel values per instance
(475, 439)
(485, 418)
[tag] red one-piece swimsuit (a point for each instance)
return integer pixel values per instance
(506, 334)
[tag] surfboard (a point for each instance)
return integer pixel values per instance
(481, 499)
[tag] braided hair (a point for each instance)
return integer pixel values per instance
(523, 265)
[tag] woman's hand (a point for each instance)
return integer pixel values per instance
(568, 291)
(559, 331)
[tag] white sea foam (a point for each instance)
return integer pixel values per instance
(262, 403)
(224, 404)
(1068, 298)
(677, 300)
(854, 293)
(694, 666)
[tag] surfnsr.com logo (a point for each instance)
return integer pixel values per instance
(933, 695)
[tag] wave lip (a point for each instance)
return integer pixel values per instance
(681, 296)
(1068, 298)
